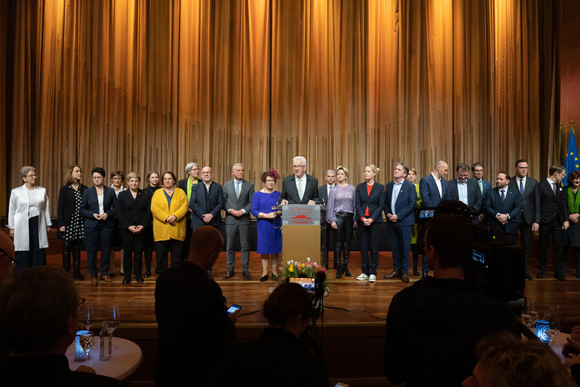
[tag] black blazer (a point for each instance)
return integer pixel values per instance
(512, 205)
(553, 208)
(374, 201)
(66, 204)
(133, 212)
(90, 206)
(290, 192)
(474, 198)
(201, 204)
(530, 206)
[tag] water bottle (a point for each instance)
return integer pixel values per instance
(104, 343)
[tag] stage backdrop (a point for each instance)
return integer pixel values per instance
(150, 85)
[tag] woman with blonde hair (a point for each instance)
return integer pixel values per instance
(340, 215)
(369, 200)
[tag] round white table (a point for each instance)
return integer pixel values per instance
(125, 358)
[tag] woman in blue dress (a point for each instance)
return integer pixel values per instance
(269, 224)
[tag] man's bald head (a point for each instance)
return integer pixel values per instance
(206, 244)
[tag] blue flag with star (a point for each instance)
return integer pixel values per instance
(572, 162)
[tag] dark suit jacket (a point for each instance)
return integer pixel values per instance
(66, 204)
(430, 193)
(374, 201)
(202, 202)
(244, 202)
(552, 208)
(405, 204)
(133, 212)
(323, 195)
(290, 192)
(474, 198)
(183, 184)
(512, 205)
(530, 205)
(90, 206)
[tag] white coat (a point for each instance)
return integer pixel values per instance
(18, 217)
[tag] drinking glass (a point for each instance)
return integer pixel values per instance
(529, 313)
(113, 319)
(86, 317)
(86, 341)
(554, 316)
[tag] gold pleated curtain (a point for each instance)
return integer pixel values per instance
(147, 85)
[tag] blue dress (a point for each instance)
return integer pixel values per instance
(269, 230)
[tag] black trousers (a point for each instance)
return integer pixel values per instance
(163, 248)
(35, 256)
(133, 252)
(553, 230)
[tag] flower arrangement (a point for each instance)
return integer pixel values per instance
(304, 270)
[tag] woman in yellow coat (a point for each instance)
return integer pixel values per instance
(169, 207)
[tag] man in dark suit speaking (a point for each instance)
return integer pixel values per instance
(299, 188)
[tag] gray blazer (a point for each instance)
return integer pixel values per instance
(244, 202)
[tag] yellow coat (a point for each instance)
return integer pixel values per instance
(163, 231)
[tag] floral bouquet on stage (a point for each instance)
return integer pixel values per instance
(301, 270)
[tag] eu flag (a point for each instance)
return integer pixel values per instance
(572, 163)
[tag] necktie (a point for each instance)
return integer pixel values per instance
(502, 195)
(238, 185)
(300, 193)
(480, 186)
(522, 186)
(554, 188)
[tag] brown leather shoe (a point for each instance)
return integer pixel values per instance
(106, 278)
(405, 278)
(94, 281)
(392, 275)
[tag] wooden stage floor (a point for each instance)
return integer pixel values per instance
(350, 302)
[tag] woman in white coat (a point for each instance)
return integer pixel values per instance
(29, 221)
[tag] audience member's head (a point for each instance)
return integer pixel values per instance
(448, 242)
(289, 307)
(39, 311)
(6, 257)
(206, 244)
(506, 361)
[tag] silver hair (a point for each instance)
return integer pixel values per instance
(25, 169)
(301, 158)
(333, 171)
(190, 166)
(237, 165)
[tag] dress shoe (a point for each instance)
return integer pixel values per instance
(106, 278)
(264, 278)
(405, 278)
(560, 277)
(229, 274)
(140, 279)
(424, 275)
(94, 281)
(540, 275)
(416, 273)
(393, 275)
(126, 281)
(275, 277)
(529, 277)
(246, 274)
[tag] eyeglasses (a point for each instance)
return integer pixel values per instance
(81, 303)
(12, 260)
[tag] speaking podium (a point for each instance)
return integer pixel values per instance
(301, 232)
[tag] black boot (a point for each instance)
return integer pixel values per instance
(337, 256)
(76, 253)
(66, 250)
(345, 261)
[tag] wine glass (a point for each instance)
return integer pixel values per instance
(529, 314)
(86, 342)
(113, 319)
(86, 317)
(555, 325)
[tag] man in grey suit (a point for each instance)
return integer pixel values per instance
(238, 195)
(326, 229)
(466, 190)
(530, 219)
(299, 188)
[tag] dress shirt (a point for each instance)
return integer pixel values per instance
(207, 186)
(438, 182)
(462, 192)
(396, 190)
(520, 181)
(301, 185)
